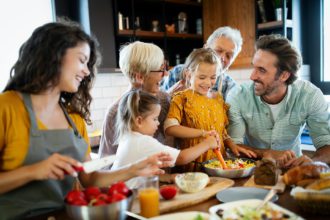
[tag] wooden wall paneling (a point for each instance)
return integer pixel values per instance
(237, 14)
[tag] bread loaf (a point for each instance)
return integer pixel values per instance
(305, 171)
(266, 172)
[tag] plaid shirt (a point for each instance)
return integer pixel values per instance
(175, 74)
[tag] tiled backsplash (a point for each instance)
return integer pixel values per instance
(109, 87)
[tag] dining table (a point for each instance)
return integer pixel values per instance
(285, 200)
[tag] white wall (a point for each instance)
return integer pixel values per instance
(18, 18)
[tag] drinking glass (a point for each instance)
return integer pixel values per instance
(149, 196)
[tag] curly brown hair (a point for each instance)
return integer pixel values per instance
(38, 67)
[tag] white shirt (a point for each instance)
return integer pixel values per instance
(136, 146)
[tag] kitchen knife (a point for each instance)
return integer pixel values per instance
(97, 164)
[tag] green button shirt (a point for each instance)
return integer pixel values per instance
(251, 121)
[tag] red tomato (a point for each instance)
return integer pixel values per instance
(119, 187)
(74, 195)
(92, 192)
(102, 196)
(79, 202)
(99, 202)
(116, 197)
(168, 192)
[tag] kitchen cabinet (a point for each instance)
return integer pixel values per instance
(146, 20)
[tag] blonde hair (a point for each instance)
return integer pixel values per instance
(139, 57)
(133, 104)
(202, 55)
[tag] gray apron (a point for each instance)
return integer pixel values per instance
(38, 197)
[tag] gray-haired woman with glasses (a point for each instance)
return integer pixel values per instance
(144, 66)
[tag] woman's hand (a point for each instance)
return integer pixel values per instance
(152, 164)
(54, 167)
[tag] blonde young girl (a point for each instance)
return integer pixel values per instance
(137, 121)
(196, 112)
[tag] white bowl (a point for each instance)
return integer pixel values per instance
(192, 182)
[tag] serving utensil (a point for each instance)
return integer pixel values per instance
(269, 195)
(131, 214)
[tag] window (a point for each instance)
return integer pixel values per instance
(326, 41)
(18, 18)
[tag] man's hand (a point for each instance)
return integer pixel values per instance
(297, 161)
(178, 86)
(282, 157)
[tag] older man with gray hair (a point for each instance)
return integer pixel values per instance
(227, 43)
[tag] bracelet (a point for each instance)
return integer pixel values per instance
(203, 133)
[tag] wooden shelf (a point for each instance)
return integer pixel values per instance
(125, 32)
(149, 34)
(184, 2)
(160, 34)
(274, 24)
(178, 35)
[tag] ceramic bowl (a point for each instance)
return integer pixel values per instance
(192, 182)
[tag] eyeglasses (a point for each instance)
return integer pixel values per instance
(163, 70)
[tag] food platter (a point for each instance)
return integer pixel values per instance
(183, 216)
(247, 208)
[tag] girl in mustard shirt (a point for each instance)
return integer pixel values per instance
(197, 112)
(42, 131)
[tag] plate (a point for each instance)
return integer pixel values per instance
(249, 203)
(182, 216)
(241, 193)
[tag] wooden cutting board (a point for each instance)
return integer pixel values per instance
(187, 199)
(280, 185)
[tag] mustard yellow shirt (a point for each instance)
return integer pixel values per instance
(15, 127)
(193, 110)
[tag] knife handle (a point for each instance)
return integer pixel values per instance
(76, 168)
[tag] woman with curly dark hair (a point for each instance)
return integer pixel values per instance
(43, 111)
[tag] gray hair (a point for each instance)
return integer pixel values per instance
(139, 57)
(231, 33)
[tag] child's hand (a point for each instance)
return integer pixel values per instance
(211, 142)
(237, 150)
(215, 134)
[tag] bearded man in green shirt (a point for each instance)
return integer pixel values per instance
(268, 115)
